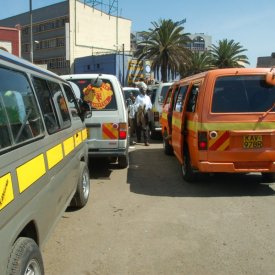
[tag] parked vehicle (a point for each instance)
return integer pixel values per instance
(223, 121)
(157, 93)
(108, 126)
(44, 160)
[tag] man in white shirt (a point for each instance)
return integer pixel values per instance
(143, 104)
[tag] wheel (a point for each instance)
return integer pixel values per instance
(25, 258)
(123, 161)
(188, 173)
(82, 193)
(268, 177)
(168, 149)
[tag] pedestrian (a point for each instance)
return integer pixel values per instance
(144, 105)
(132, 117)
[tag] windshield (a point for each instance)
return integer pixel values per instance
(100, 98)
(242, 94)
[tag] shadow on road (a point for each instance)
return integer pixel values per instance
(153, 173)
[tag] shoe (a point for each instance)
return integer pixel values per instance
(146, 144)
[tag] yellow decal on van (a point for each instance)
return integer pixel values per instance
(68, 145)
(98, 98)
(110, 131)
(77, 138)
(6, 191)
(84, 134)
(54, 155)
(30, 172)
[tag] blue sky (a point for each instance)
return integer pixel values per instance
(249, 22)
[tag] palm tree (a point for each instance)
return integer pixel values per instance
(196, 63)
(228, 54)
(165, 46)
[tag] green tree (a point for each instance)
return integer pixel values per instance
(165, 46)
(197, 62)
(228, 54)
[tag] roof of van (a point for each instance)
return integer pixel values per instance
(226, 71)
(5, 56)
(84, 76)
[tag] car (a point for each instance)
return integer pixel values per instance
(223, 122)
(157, 92)
(44, 160)
(108, 126)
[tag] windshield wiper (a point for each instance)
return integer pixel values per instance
(267, 112)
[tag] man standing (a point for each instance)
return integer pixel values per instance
(132, 116)
(143, 104)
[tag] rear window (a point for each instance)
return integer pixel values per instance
(101, 99)
(242, 94)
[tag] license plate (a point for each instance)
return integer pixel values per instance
(251, 142)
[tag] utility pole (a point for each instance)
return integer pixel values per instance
(31, 38)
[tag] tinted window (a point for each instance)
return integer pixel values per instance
(47, 105)
(192, 101)
(73, 106)
(242, 94)
(163, 93)
(180, 98)
(60, 103)
(20, 119)
(102, 98)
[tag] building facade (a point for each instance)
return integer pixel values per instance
(266, 61)
(69, 30)
(10, 40)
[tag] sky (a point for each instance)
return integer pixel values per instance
(248, 22)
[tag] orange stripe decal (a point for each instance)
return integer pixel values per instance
(109, 131)
(220, 143)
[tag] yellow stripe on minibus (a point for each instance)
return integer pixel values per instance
(77, 138)
(6, 190)
(84, 134)
(68, 145)
(30, 172)
(54, 155)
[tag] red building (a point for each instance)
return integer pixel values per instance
(10, 40)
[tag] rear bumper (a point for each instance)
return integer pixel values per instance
(238, 167)
(107, 152)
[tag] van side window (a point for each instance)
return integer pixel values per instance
(72, 103)
(192, 101)
(60, 103)
(20, 119)
(47, 105)
(180, 98)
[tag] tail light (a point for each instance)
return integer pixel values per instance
(202, 141)
(123, 131)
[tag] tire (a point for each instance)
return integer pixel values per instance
(268, 177)
(188, 173)
(168, 149)
(82, 193)
(123, 161)
(25, 258)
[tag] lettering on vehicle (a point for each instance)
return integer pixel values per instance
(98, 98)
(6, 191)
(250, 142)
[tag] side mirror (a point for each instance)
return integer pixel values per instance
(85, 109)
(270, 77)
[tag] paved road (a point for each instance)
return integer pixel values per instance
(146, 220)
